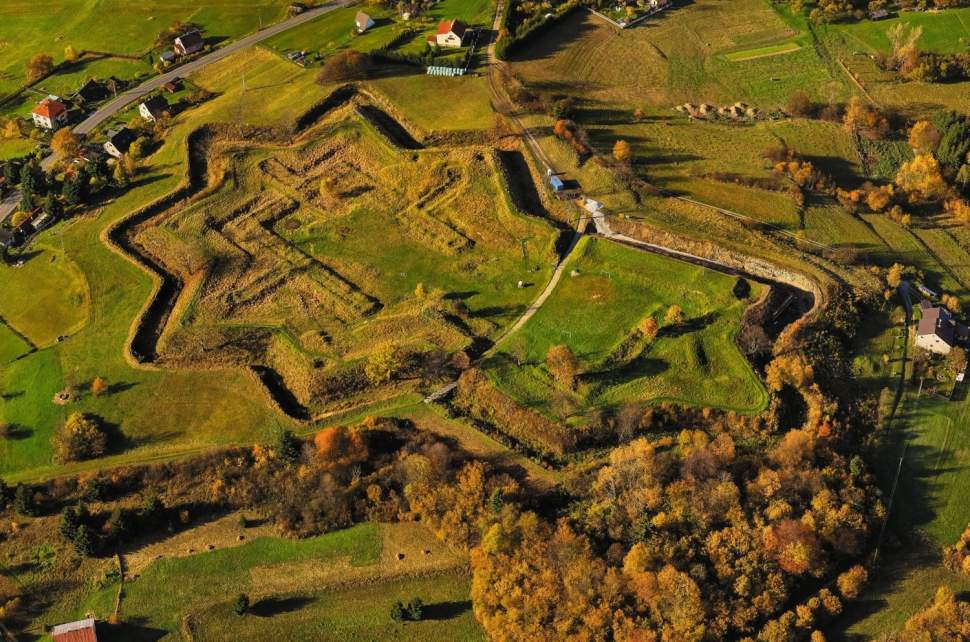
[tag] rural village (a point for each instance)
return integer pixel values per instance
(513, 320)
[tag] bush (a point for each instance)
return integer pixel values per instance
(81, 437)
(241, 607)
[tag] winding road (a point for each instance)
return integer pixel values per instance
(112, 107)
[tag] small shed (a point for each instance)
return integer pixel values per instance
(168, 57)
(593, 207)
(363, 22)
(80, 631)
(878, 14)
(556, 183)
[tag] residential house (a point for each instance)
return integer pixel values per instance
(50, 113)
(80, 631)
(119, 142)
(189, 43)
(363, 22)
(152, 109)
(90, 92)
(451, 34)
(937, 330)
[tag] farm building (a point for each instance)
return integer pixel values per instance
(119, 141)
(556, 183)
(152, 109)
(451, 34)
(363, 22)
(80, 631)
(937, 331)
(189, 43)
(50, 113)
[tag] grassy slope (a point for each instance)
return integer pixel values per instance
(594, 311)
(677, 57)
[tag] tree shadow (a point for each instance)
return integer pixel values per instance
(445, 610)
(17, 432)
(691, 325)
(270, 606)
(135, 630)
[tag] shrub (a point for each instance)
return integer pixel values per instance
(241, 607)
(81, 437)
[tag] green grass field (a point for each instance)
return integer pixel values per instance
(338, 586)
(335, 30)
(595, 311)
(46, 297)
(944, 31)
(765, 51)
(97, 25)
(429, 101)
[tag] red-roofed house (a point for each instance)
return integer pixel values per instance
(451, 34)
(80, 631)
(50, 113)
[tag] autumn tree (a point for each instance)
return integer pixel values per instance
(921, 178)
(648, 327)
(862, 118)
(943, 620)
(563, 366)
(794, 546)
(622, 152)
(340, 446)
(344, 66)
(924, 137)
(384, 363)
(80, 437)
(98, 386)
(64, 142)
(894, 276)
(39, 66)
(674, 315)
(850, 582)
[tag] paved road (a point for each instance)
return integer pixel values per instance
(124, 99)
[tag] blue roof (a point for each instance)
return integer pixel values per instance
(556, 183)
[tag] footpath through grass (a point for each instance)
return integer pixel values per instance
(595, 310)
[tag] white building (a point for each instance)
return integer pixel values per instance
(50, 113)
